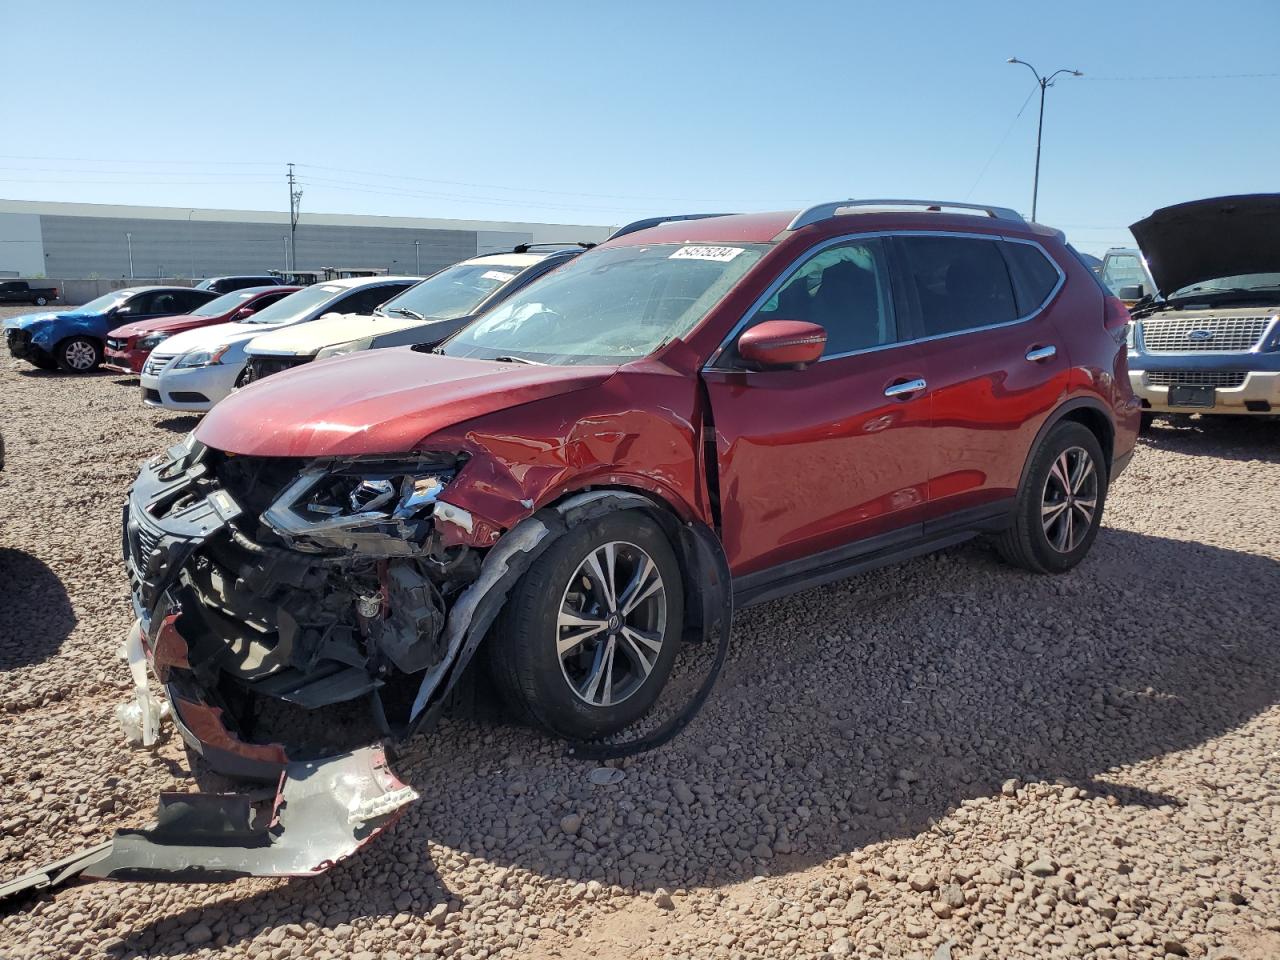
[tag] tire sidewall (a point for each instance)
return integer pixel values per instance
(1060, 438)
(555, 703)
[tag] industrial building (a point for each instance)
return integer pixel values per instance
(91, 240)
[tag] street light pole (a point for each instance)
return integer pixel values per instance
(128, 238)
(191, 247)
(1045, 83)
(417, 259)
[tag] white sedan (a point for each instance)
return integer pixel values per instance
(192, 371)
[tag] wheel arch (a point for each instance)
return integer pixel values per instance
(1089, 413)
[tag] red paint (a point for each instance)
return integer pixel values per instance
(782, 343)
(807, 459)
(205, 723)
(130, 359)
(169, 649)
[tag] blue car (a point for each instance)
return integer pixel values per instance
(73, 339)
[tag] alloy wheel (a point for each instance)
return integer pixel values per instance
(1070, 499)
(80, 355)
(611, 623)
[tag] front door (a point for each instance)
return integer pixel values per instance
(816, 459)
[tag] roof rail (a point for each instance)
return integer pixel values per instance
(567, 244)
(824, 211)
(654, 221)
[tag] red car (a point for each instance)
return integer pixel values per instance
(129, 346)
(697, 415)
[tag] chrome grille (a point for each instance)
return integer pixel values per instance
(1202, 334)
(155, 364)
(1196, 378)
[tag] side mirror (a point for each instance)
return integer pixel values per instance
(1134, 292)
(782, 344)
(243, 312)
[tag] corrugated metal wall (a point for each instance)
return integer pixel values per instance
(85, 246)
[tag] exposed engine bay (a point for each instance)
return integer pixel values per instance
(292, 585)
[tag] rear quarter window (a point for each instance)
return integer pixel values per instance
(1034, 276)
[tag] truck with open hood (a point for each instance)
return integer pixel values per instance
(1208, 340)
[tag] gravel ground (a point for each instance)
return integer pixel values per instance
(947, 758)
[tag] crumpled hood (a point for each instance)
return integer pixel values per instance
(378, 402)
(1205, 239)
(212, 336)
(308, 338)
(28, 320)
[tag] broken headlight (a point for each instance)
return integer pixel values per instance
(378, 506)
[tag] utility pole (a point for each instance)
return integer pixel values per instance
(295, 209)
(1045, 83)
(286, 253)
(417, 259)
(128, 238)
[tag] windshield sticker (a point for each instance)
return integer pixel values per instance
(718, 254)
(497, 275)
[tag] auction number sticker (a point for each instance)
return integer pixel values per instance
(718, 254)
(497, 275)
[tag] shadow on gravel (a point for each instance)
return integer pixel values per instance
(183, 423)
(848, 715)
(61, 374)
(127, 380)
(38, 614)
(1227, 438)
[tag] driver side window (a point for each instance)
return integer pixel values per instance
(843, 289)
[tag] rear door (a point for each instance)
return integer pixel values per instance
(994, 362)
(817, 460)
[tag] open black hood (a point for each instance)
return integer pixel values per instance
(1206, 239)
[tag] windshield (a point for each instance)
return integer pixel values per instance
(224, 304)
(103, 303)
(609, 305)
(297, 305)
(453, 292)
(1240, 283)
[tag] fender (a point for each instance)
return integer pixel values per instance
(1058, 414)
(478, 606)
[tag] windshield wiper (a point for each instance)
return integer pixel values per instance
(518, 360)
(408, 313)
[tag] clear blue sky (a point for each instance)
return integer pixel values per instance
(603, 112)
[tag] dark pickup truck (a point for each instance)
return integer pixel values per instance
(20, 291)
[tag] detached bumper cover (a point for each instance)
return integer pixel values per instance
(322, 812)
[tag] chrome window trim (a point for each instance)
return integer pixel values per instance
(810, 252)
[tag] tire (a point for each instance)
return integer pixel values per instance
(523, 654)
(79, 355)
(41, 301)
(1144, 427)
(1049, 546)
(242, 378)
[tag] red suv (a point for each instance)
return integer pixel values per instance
(694, 415)
(129, 346)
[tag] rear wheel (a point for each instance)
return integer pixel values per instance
(41, 301)
(79, 355)
(1059, 508)
(587, 638)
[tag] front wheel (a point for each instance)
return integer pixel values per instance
(1059, 508)
(79, 355)
(587, 638)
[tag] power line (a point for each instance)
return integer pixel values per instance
(999, 146)
(1196, 76)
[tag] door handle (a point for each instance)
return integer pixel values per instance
(1037, 354)
(904, 388)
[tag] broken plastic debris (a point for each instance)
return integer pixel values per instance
(606, 776)
(140, 718)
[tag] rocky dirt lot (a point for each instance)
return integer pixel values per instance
(947, 758)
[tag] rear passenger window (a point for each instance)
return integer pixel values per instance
(961, 283)
(1034, 276)
(845, 290)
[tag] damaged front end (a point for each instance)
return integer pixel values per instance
(296, 614)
